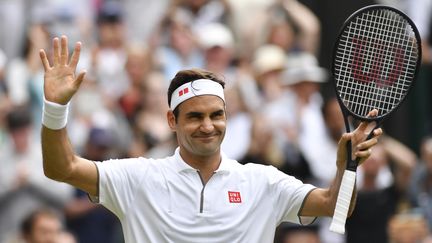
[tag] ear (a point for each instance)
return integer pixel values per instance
(171, 120)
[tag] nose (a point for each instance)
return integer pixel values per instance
(207, 125)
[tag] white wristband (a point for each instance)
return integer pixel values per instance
(54, 115)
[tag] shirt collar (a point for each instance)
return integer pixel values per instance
(180, 165)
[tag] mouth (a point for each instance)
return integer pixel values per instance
(206, 138)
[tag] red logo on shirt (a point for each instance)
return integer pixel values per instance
(234, 197)
(183, 91)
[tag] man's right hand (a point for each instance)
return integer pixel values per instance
(61, 83)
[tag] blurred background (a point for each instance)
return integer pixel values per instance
(275, 56)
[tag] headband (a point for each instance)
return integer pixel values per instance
(196, 88)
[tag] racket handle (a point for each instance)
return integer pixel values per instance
(343, 202)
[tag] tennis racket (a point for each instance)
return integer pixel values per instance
(375, 63)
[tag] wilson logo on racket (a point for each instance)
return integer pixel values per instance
(184, 91)
(375, 65)
(368, 62)
(234, 197)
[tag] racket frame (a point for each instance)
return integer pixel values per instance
(348, 180)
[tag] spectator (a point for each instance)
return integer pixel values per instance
(92, 223)
(296, 113)
(294, 27)
(109, 55)
(376, 206)
(66, 237)
(23, 185)
(138, 66)
(150, 128)
(217, 42)
(24, 77)
(204, 12)
(41, 226)
(421, 188)
(178, 48)
(268, 64)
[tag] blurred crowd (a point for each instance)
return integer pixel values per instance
(281, 108)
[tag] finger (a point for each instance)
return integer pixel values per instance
(56, 51)
(364, 154)
(378, 132)
(44, 60)
(344, 139)
(64, 51)
(79, 79)
(75, 55)
(373, 113)
(367, 144)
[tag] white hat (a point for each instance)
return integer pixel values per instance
(301, 67)
(268, 58)
(215, 34)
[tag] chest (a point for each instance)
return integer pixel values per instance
(224, 200)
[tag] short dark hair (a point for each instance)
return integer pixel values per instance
(19, 117)
(27, 224)
(189, 75)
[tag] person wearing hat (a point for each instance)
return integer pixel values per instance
(198, 194)
(296, 113)
(217, 43)
(268, 63)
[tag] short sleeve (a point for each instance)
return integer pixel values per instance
(290, 194)
(117, 183)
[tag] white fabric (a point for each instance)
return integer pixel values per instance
(54, 115)
(164, 200)
(196, 88)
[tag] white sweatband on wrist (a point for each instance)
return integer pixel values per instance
(196, 88)
(54, 115)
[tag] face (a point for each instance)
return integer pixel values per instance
(45, 230)
(200, 125)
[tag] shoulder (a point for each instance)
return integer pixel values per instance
(257, 171)
(134, 164)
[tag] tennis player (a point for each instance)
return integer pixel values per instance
(197, 194)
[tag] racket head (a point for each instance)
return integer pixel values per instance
(376, 58)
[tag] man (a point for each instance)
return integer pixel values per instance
(197, 195)
(42, 226)
(23, 186)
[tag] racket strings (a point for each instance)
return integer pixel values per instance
(381, 52)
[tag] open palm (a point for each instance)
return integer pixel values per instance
(61, 83)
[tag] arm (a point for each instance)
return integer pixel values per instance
(59, 160)
(308, 23)
(322, 202)
(403, 158)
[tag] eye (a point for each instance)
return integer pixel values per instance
(218, 115)
(194, 116)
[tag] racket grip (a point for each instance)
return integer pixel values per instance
(343, 202)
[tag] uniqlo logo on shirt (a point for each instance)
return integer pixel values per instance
(234, 197)
(183, 91)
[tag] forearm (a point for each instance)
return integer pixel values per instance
(58, 155)
(308, 23)
(322, 202)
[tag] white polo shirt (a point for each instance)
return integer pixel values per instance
(164, 200)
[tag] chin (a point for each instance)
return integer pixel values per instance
(206, 151)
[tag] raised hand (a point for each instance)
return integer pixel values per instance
(361, 148)
(61, 83)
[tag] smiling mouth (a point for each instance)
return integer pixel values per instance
(206, 137)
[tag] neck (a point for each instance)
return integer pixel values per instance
(206, 164)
